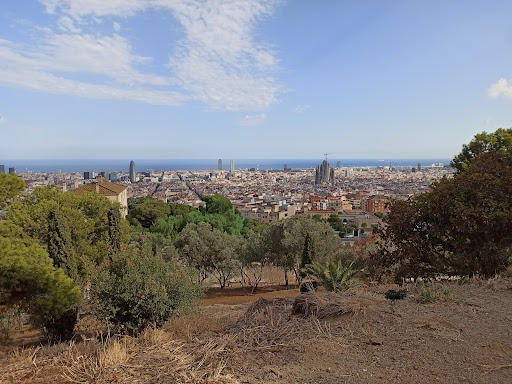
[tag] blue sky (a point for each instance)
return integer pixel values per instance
(251, 78)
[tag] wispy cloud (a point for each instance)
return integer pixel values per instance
(251, 120)
(300, 109)
(217, 62)
(502, 88)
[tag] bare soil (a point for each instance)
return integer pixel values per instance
(463, 336)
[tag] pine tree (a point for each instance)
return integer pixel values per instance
(308, 254)
(60, 245)
(114, 231)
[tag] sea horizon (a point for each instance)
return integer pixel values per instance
(143, 165)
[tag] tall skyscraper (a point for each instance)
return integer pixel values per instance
(419, 166)
(12, 170)
(220, 164)
(2, 168)
(132, 172)
(232, 165)
(87, 175)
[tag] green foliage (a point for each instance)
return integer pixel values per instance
(10, 186)
(114, 230)
(134, 201)
(284, 241)
(462, 227)
(180, 209)
(28, 279)
(148, 212)
(398, 294)
(86, 217)
(334, 276)
(137, 290)
(499, 141)
(155, 244)
(252, 260)
(60, 246)
(430, 294)
(308, 253)
(217, 204)
(210, 251)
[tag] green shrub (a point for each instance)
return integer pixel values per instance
(137, 290)
(396, 294)
(334, 276)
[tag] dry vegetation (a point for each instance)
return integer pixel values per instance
(463, 335)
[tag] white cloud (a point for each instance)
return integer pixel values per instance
(31, 71)
(66, 24)
(251, 120)
(218, 62)
(300, 109)
(502, 88)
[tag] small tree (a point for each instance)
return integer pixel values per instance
(137, 290)
(252, 261)
(60, 245)
(210, 251)
(308, 255)
(28, 279)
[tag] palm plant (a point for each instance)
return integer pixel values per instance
(334, 276)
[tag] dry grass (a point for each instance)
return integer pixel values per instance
(332, 304)
(193, 325)
(153, 357)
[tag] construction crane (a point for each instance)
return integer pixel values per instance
(327, 154)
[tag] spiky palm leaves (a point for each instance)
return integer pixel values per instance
(334, 276)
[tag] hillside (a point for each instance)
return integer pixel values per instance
(463, 335)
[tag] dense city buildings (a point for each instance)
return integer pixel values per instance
(354, 194)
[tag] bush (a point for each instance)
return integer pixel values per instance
(137, 290)
(398, 294)
(334, 275)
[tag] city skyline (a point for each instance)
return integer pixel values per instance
(251, 79)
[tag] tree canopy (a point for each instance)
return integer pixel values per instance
(29, 279)
(462, 227)
(499, 141)
(10, 186)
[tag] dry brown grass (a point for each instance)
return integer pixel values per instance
(333, 304)
(153, 357)
(193, 325)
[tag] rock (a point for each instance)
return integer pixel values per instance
(376, 341)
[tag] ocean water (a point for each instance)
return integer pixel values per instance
(50, 166)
